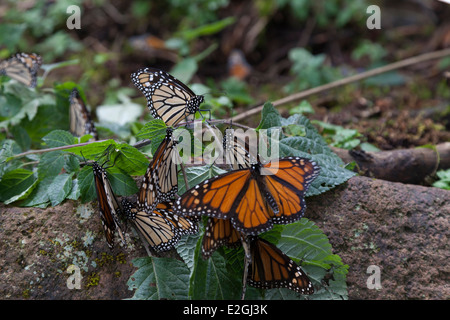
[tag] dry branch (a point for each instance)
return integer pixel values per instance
(404, 165)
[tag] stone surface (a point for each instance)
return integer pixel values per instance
(403, 229)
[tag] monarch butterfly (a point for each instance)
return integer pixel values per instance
(219, 232)
(80, 119)
(160, 182)
(270, 268)
(167, 97)
(109, 207)
(252, 201)
(237, 152)
(161, 228)
(22, 67)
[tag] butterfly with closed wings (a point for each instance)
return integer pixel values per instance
(80, 118)
(167, 97)
(270, 268)
(22, 67)
(108, 204)
(160, 182)
(161, 228)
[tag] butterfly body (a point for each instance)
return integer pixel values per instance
(168, 98)
(108, 204)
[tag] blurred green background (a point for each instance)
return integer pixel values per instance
(243, 53)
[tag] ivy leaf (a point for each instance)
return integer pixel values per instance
(159, 278)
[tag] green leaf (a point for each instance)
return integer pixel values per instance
(312, 146)
(212, 280)
(86, 185)
(195, 175)
(303, 107)
(307, 245)
(58, 138)
(121, 183)
(15, 184)
(159, 278)
(75, 191)
(131, 160)
(208, 29)
(51, 164)
(152, 129)
(187, 248)
(270, 117)
(185, 69)
(60, 188)
(237, 90)
(39, 197)
(11, 34)
(93, 150)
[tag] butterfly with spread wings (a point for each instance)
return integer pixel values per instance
(167, 97)
(108, 204)
(256, 197)
(270, 268)
(22, 67)
(80, 118)
(160, 182)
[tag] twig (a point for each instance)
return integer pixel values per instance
(54, 149)
(342, 82)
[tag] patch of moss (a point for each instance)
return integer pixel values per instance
(92, 280)
(26, 293)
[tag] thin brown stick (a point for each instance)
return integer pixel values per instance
(53, 149)
(348, 80)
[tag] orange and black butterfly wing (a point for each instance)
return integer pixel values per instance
(270, 268)
(22, 67)
(80, 118)
(234, 195)
(287, 181)
(167, 97)
(219, 232)
(183, 225)
(108, 205)
(214, 197)
(157, 231)
(160, 182)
